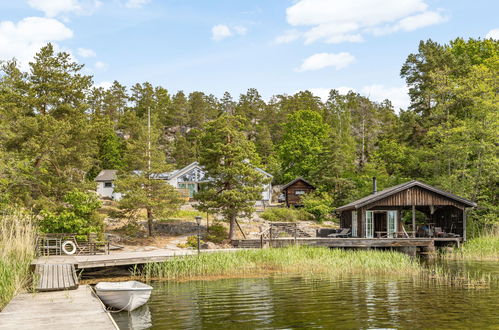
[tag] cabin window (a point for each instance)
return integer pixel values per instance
(369, 224)
(299, 192)
(392, 223)
(108, 184)
(354, 223)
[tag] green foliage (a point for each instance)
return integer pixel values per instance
(229, 159)
(57, 131)
(78, 215)
(18, 233)
(192, 241)
(217, 233)
(302, 144)
(319, 204)
(284, 214)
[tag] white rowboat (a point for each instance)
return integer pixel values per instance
(123, 295)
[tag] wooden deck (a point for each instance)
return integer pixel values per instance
(76, 309)
(120, 258)
(344, 242)
(55, 277)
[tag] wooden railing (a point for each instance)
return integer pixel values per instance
(272, 232)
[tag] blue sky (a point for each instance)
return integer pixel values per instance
(276, 46)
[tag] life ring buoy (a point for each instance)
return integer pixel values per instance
(65, 245)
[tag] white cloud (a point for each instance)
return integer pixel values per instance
(136, 3)
(494, 34)
(288, 36)
(222, 31)
(335, 21)
(25, 38)
(104, 84)
(85, 52)
(52, 8)
(324, 60)
(241, 30)
(100, 65)
(397, 95)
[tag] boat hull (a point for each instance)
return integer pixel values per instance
(123, 298)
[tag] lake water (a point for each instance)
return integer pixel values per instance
(295, 302)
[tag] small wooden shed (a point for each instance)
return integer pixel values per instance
(295, 189)
(380, 214)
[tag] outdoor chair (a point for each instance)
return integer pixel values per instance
(342, 234)
(438, 232)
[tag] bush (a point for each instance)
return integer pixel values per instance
(319, 204)
(285, 215)
(217, 233)
(192, 241)
(77, 215)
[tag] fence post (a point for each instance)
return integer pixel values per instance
(296, 229)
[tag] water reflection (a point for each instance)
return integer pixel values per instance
(346, 303)
(138, 319)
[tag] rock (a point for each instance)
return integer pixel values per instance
(209, 246)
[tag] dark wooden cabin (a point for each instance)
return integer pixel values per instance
(295, 189)
(380, 214)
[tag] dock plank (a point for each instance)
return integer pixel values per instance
(76, 309)
(55, 277)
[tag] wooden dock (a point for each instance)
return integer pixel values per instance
(75, 309)
(121, 258)
(55, 277)
(343, 242)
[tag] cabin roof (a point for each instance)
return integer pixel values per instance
(187, 168)
(295, 181)
(106, 175)
(401, 187)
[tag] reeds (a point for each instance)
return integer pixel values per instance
(17, 250)
(480, 248)
(292, 260)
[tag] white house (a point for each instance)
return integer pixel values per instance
(188, 178)
(191, 176)
(105, 184)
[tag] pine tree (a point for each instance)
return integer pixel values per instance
(229, 159)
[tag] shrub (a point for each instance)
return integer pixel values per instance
(192, 241)
(217, 233)
(319, 204)
(77, 215)
(285, 215)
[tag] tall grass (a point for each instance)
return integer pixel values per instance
(17, 250)
(291, 260)
(480, 248)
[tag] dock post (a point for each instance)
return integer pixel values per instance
(413, 221)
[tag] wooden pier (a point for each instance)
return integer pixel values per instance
(120, 258)
(344, 242)
(75, 309)
(55, 277)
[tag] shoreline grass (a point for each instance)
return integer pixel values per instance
(17, 250)
(291, 260)
(484, 248)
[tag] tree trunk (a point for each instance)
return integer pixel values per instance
(149, 221)
(232, 228)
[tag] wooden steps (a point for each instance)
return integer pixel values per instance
(55, 277)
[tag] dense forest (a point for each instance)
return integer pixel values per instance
(57, 130)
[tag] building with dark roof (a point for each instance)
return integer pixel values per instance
(381, 214)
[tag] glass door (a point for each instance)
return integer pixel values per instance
(369, 224)
(354, 223)
(391, 223)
